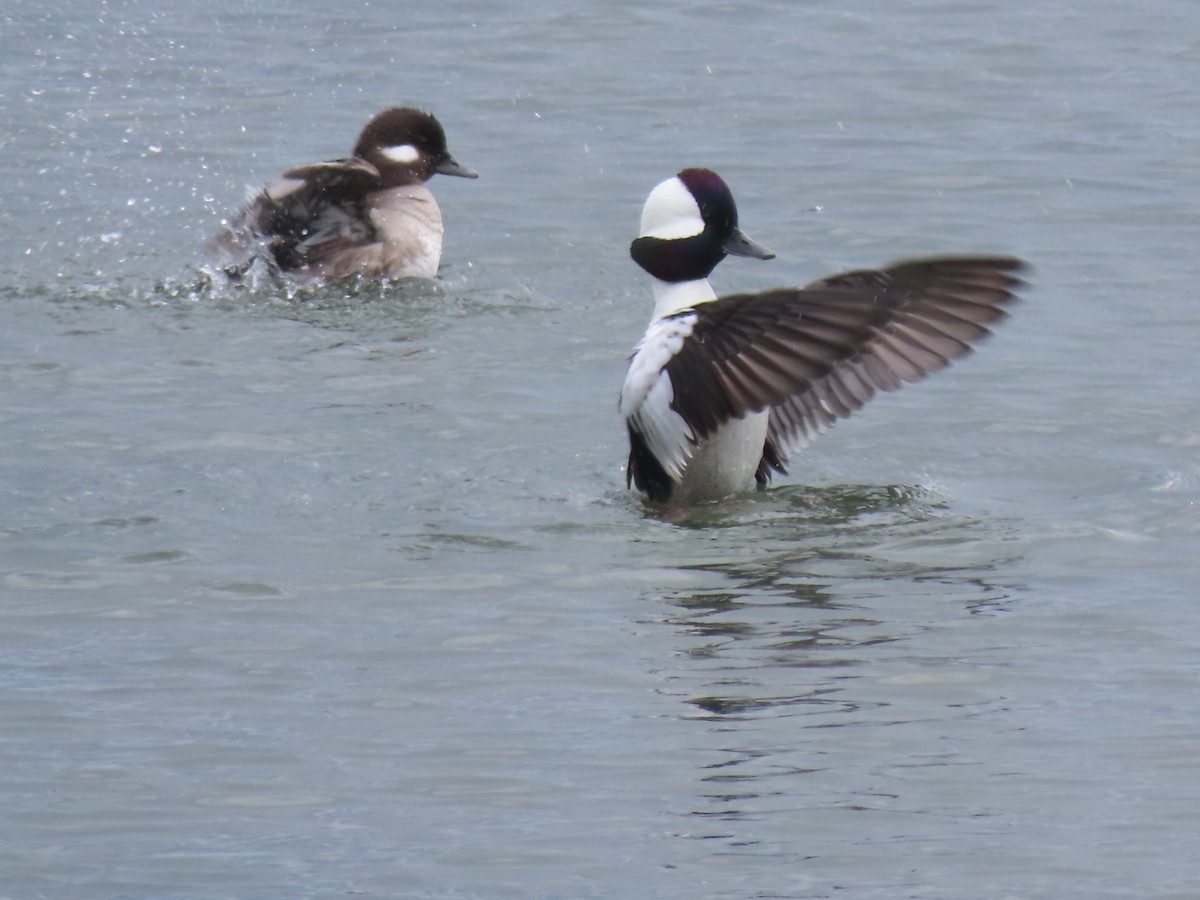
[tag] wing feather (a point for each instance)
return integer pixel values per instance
(311, 211)
(810, 355)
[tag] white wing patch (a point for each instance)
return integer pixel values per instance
(647, 394)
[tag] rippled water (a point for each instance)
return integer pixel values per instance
(339, 592)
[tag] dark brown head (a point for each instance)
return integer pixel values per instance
(408, 146)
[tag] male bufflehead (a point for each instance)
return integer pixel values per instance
(368, 214)
(721, 391)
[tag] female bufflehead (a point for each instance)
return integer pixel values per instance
(720, 392)
(367, 214)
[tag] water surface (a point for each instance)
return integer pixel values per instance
(312, 593)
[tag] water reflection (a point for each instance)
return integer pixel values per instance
(830, 646)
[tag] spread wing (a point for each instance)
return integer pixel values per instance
(933, 312)
(815, 354)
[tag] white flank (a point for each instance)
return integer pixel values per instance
(647, 394)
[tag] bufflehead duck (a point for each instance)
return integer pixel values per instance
(721, 391)
(366, 214)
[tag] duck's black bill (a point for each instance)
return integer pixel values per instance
(451, 166)
(738, 244)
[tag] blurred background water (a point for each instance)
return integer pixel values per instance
(339, 592)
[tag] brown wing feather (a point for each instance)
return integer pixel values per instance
(347, 173)
(815, 354)
(307, 222)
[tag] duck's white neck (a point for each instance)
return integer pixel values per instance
(672, 296)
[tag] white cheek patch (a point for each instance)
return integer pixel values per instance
(675, 228)
(403, 153)
(671, 212)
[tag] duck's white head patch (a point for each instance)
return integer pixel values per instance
(402, 153)
(671, 212)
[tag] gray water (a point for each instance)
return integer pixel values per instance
(339, 592)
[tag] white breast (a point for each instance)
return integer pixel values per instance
(724, 463)
(409, 224)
